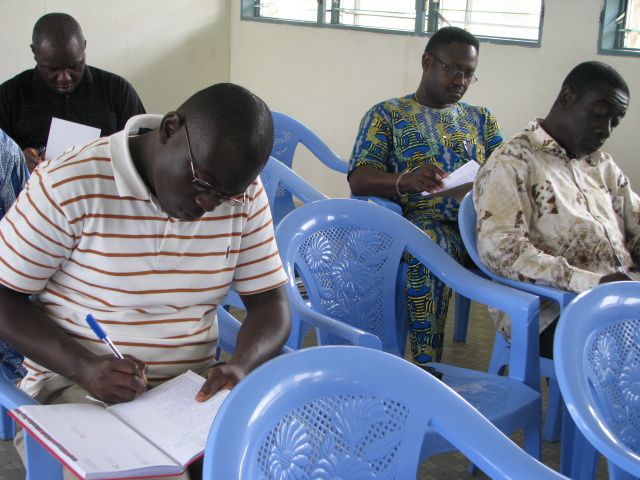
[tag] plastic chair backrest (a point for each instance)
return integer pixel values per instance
(288, 134)
(467, 224)
(597, 360)
(282, 183)
(349, 412)
(348, 253)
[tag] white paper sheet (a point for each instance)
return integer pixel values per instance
(64, 134)
(462, 176)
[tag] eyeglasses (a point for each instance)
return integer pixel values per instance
(205, 186)
(454, 72)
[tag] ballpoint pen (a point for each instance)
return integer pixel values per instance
(97, 329)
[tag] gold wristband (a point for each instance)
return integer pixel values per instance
(398, 183)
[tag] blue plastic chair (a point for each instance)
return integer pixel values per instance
(288, 134)
(597, 357)
(501, 348)
(462, 304)
(348, 253)
(280, 183)
(350, 412)
(39, 463)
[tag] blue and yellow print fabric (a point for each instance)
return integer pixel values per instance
(400, 134)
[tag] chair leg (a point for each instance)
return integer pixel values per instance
(578, 458)
(7, 425)
(40, 464)
(463, 305)
(553, 422)
(499, 355)
(533, 439)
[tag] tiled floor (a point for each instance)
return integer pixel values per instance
(473, 354)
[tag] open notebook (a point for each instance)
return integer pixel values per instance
(159, 433)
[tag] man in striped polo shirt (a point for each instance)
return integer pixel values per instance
(148, 232)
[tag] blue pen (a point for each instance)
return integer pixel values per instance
(97, 329)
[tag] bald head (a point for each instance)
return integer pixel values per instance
(58, 49)
(231, 113)
(56, 29)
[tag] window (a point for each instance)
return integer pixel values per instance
(504, 20)
(494, 18)
(620, 27)
(376, 14)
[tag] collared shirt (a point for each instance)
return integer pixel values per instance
(546, 218)
(401, 134)
(87, 236)
(102, 100)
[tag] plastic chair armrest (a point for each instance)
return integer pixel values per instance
(295, 184)
(12, 396)
(561, 296)
(335, 327)
(383, 202)
(228, 328)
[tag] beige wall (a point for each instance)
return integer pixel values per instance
(328, 78)
(167, 50)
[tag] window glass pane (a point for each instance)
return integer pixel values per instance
(396, 15)
(632, 36)
(494, 18)
(304, 10)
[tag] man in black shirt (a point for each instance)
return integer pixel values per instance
(62, 86)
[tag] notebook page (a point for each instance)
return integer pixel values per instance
(462, 176)
(93, 442)
(169, 417)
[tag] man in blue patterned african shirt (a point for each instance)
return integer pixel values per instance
(13, 176)
(406, 146)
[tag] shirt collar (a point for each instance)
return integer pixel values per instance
(543, 141)
(39, 84)
(128, 181)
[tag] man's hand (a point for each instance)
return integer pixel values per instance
(222, 376)
(615, 277)
(33, 158)
(427, 178)
(112, 379)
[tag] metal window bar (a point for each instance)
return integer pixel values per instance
(427, 13)
(621, 23)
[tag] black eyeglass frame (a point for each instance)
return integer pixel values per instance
(456, 72)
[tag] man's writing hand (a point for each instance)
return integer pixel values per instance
(427, 178)
(223, 376)
(112, 379)
(32, 157)
(615, 277)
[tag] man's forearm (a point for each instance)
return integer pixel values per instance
(370, 181)
(265, 329)
(29, 330)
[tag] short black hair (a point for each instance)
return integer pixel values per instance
(447, 35)
(589, 76)
(232, 112)
(57, 28)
